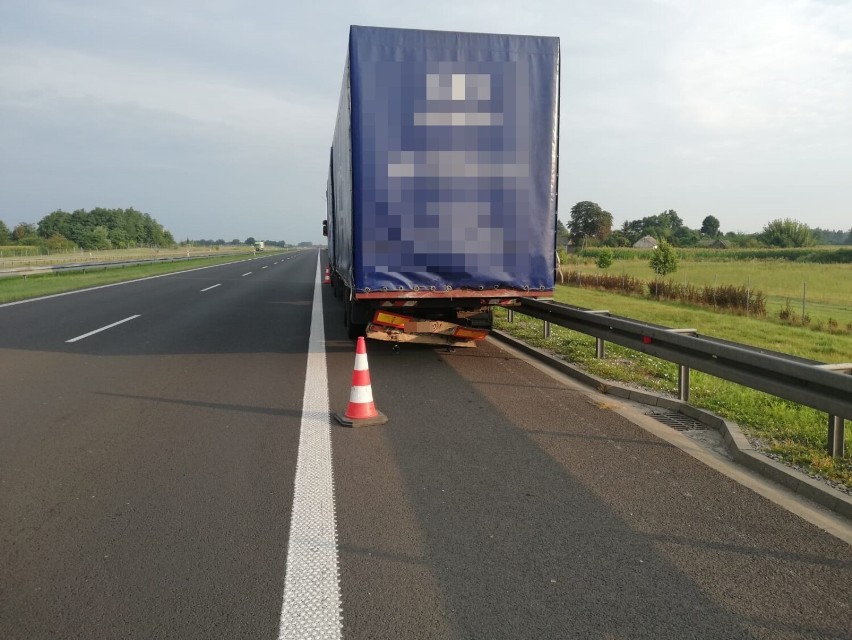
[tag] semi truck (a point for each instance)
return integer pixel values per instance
(442, 181)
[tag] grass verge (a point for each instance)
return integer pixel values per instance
(822, 291)
(790, 433)
(14, 288)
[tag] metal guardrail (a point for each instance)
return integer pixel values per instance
(825, 387)
(103, 264)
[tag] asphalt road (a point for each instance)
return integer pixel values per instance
(147, 486)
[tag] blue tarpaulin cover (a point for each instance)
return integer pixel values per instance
(444, 161)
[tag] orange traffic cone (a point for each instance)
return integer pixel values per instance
(361, 411)
(327, 279)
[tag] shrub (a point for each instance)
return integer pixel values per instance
(728, 297)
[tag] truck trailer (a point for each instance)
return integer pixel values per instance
(442, 182)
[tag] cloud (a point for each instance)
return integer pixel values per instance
(31, 75)
(764, 65)
(195, 110)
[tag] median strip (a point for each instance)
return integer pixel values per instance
(109, 326)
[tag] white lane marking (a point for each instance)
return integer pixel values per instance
(311, 606)
(246, 274)
(109, 326)
(116, 284)
(213, 287)
(266, 267)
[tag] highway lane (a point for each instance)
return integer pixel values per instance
(497, 502)
(147, 470)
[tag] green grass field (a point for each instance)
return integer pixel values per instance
(795, 434)
(827, 288)
(13, 288)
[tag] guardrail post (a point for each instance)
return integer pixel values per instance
(600, 343)
(683, 370)
(511, 315)
(683, 383)
(547, 328)
(836, 425)
(836, 436)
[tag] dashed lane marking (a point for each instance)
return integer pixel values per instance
(213, 287)
(109, 326)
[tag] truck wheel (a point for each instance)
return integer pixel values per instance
(353, 329)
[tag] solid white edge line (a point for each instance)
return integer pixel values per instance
(311, 602)
(213, 287)
(109, 326)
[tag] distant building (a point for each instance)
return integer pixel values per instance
(713, 243)
(646, 242)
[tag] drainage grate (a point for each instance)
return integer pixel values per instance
(676, 420)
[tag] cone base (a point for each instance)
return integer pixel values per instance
(361, 422)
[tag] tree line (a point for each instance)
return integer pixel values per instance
(96, 229)
(235, 242)
(589, 224)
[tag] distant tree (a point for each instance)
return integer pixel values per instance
(58, 242)
(78, 226)
(670, 221)
(743, 240)
(848, 238)
(54, 223)
(23, 232)
(588, 220)
(124, 227)
(663, 260)
(562, 235)
(153, 233)
(787, 233)
(666, 226)
(710, 226)
(118, 238)
(250, 241)
(605, 257)
(97, 238)
(5, 236)
(617, 239)
(686, 237)
(830, 236)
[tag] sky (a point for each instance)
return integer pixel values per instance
(216, 116)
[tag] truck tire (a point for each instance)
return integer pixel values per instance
(354, 330)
